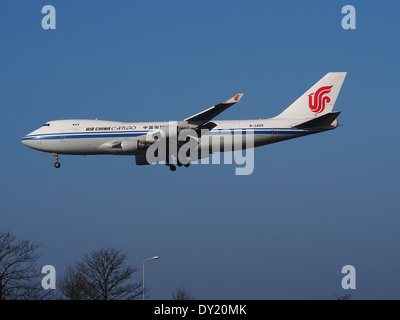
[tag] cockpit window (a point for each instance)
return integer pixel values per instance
(46, 125)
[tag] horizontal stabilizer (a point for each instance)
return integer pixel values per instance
(321, 122)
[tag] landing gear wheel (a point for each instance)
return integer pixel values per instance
(172, 168)
(56, 163)
(187, 165)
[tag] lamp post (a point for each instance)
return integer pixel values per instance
(154, 258)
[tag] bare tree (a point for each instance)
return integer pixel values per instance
(73, 285)
(101, 275)
(19, 276)
(181, 294)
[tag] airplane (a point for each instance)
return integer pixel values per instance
(311, 113)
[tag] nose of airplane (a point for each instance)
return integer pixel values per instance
(31, 141)
(26, 141)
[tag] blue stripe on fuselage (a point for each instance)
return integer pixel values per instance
(84, 135)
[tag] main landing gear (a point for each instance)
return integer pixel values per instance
(56, 163)
(172, 167)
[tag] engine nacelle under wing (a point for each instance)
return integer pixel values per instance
(131, 146)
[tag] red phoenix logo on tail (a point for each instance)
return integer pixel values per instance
(318, 105)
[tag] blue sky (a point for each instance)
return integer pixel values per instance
(311, 206)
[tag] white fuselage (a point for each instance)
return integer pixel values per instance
(195, 137)
(88, 137)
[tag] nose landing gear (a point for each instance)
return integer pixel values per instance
(56, 163)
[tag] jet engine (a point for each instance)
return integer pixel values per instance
(131, 146)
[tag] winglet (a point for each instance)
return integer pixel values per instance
(235, 98)
(210, 113)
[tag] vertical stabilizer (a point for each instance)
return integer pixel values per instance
(318, 100)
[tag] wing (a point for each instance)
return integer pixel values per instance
(200, 122)
(205, 116)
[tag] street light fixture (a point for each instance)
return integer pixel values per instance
(154, 258)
